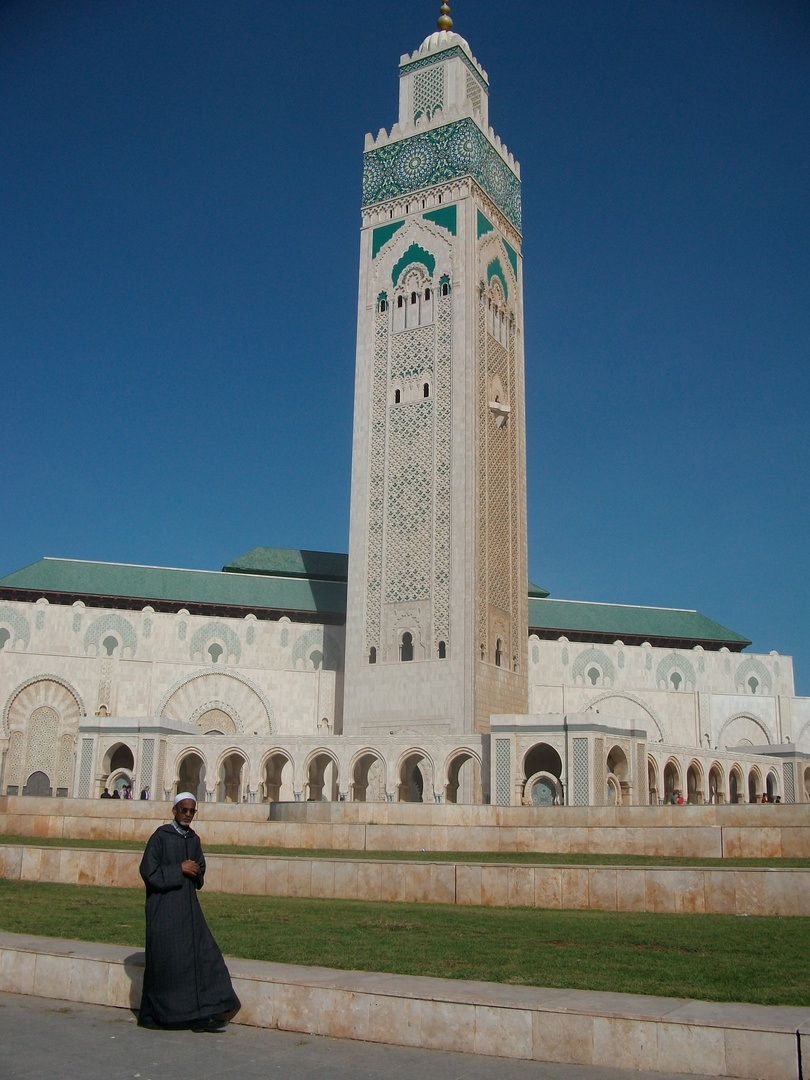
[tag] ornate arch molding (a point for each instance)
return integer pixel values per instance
(229, 674)
(626, 695)
(675, 662)
(597, 657)
(64, 683)
(462, 751)
(325, 643)
(115, 624)
(756, 720)
(215, 631)
(752, 666)
(17, 622)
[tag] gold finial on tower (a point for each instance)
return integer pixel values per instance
(445, 22)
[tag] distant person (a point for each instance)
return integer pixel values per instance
(185, 983)
(679, 800)
(145, 793)
(126, 792)
(116, 794)
(105, 794)
(765, 797)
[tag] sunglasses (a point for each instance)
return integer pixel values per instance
(186, 810)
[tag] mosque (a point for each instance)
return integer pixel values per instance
(422, 666)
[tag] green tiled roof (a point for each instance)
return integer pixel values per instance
(182, 587)
(290, 562)
(617, 621)
(283, 580)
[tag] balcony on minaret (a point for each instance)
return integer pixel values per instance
(441, 81)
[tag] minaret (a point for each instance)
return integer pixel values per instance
(436, 634)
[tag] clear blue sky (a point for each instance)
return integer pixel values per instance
(179, 236)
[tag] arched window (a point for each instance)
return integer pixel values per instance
(442, 650)
(400, 301)
(498, 653)
(110, 644)
(383, 305)
(406, 647)
(445, 288)
(426, 390)
(753, 683)
(427, 294)
(372, 655)
(413, 297)
(594, 675)
(215, 651)
(676, 679)
(397, 397)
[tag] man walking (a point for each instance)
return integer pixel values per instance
(186, 983)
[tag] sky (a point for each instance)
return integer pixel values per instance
(179, 229)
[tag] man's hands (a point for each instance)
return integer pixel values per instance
(190, 868)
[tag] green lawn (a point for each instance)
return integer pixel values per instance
(522, 857)
(713, 957)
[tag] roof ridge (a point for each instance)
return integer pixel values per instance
(606, 603)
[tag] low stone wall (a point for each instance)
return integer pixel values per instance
(731, 891)
(646, 1034)
(751, 831)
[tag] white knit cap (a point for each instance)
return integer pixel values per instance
(184, 795)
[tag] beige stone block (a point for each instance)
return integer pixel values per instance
(304, 1008)
(394, 882)
(766, 1055)
(276, 877)
(626, 1044)
(345, 879)
(50, 865)
(520, 886)
(89, 981)
(52, 975)
(69, 864)
(795, 842)
(631, 889)
(41, 825)
(125, 982)
(562, 1037)
(602, 889)
(233, 874)
(661, 890)
(442, 883)
(691, 1049)
(448, 1025)
(689, 892)
(322, 878)
(215, 867)
(770, 843)
(468, 884)
(254, 876)
(31, 863)
(16, 971)
(106, 868)
(720, 891)
(494, 889)
(87, 868)
(258, 1002)
(548, 887)
(299, 874)
(395, 1020)
(752, 892)
(732, 842)
(128, 872)
(502, 1032)
(574, 882)
(369, 880)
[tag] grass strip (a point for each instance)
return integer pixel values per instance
(709, 957)
(529, 858)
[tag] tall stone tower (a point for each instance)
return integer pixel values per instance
(436, 633)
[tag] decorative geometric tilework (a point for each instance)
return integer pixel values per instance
(284, 637)
(105, 678)
(441, 523)
(751, 666)
(434, 157)
(250, 634)
(147, 762)
(181, 632)
(593, 656)
(41, 618)
(599, 772)
(474, 92)
(14, 760)
(642, 793)
(85, 768)
(414, 254)
(503, 773)
(376, 486)
(579, 760)
(428, 92)
(18, 623)
(788, 783)
(147, 627)
(672, 663)
(118, 625)
(324, 643)
(77, 621)
(445, 54)
(161, 766)
(64, 775)
(409, 502)
(43, 728)
(215, 631)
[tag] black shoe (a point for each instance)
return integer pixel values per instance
(211, 1025)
